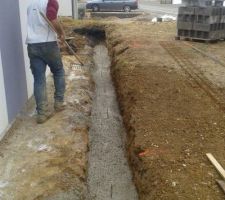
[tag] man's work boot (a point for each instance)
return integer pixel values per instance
(42, 118)
(59, 106)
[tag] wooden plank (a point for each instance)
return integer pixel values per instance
(221, 184)
(218, 167)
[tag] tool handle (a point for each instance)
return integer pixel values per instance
(49, 23)
(72, 51)
(217, 165)
(66, 43)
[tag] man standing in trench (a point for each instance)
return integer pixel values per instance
(43, 50)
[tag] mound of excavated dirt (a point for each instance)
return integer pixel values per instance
(171, 98)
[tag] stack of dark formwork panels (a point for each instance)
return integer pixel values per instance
(201, 20)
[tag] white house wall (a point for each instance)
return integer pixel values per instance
(177, 1)
(3, 106)
(12, 57)
(65, 7)
(23, 20)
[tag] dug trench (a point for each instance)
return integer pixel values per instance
(109, 176)
(166, 94)
(170, 123)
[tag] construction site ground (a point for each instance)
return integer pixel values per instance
(171, 95)
(172, 98)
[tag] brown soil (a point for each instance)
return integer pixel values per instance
(172, 102)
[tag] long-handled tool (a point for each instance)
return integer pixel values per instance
(66, 43)
(220, 170)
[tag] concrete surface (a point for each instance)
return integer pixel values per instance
(109, 174)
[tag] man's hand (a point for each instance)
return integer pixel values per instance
(60, 32)
(62, 40)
